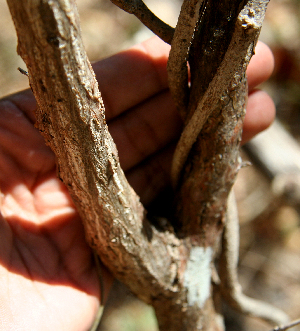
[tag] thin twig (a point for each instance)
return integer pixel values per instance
(230, 287)
(147, 17)
(287, 326)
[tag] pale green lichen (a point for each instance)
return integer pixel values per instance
(197, 276)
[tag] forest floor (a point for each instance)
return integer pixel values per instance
(270, 230)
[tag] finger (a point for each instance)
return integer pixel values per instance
(21, 142)
(260, 114)
(145, 129)
(24, 101)
(261, 66)
(130, 77)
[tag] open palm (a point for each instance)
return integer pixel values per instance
(48, 280)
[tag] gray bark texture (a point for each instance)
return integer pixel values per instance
(170, 267)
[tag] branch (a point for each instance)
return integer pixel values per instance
(145, 15)
(70, 116)
(228, 63)
(208, 149)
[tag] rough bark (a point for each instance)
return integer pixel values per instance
(70, 115)
(170, 269)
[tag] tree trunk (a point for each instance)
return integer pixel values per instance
(169, 268)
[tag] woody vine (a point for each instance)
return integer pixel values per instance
(169, 264)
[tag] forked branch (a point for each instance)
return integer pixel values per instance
(168, 269)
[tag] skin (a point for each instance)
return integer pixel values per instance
(48, 279)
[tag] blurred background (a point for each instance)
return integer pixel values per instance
(270, 233)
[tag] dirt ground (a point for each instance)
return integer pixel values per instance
(270, 233)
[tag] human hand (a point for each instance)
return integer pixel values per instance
(48, 280)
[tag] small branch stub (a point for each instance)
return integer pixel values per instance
(23, 72)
